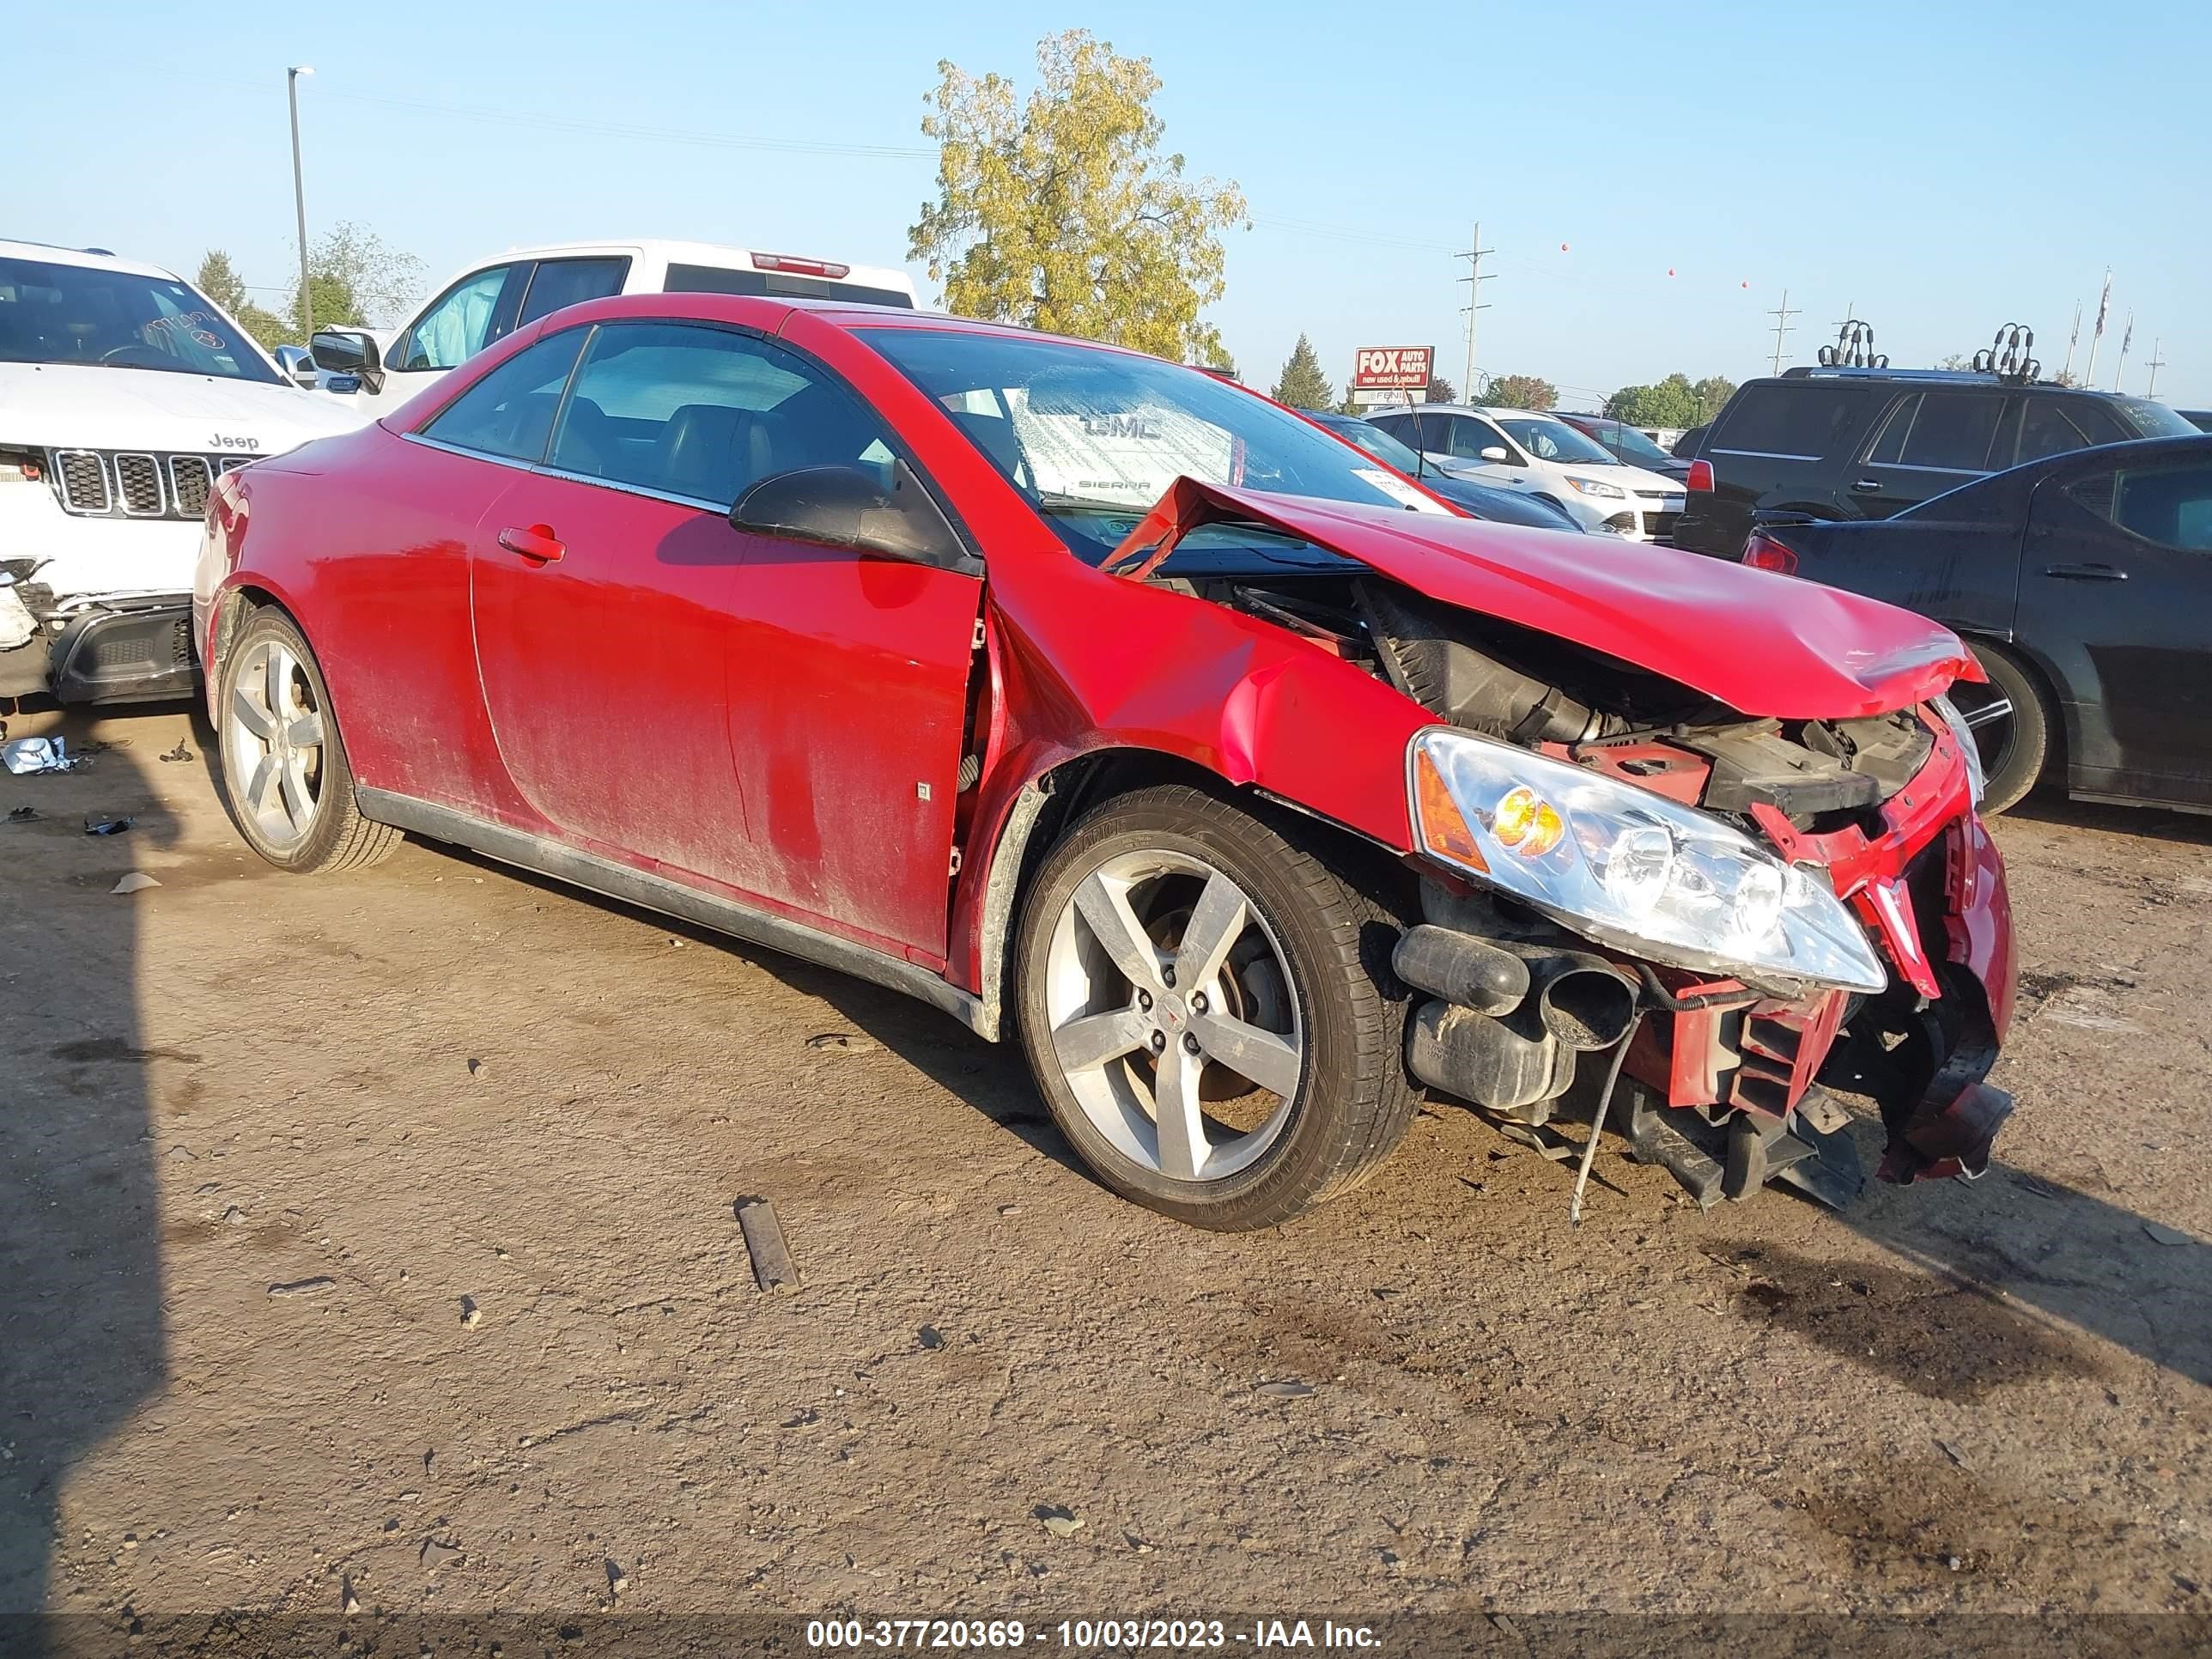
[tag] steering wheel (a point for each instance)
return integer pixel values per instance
(152, 356)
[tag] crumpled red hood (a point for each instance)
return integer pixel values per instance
(1770, 645)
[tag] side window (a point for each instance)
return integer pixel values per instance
(509, 413)
(1470, 437)
(1952, 430)
(1889, 443)
(2170, 506)
(705, 413)
(457, 327)
(1802, 420)
(558, 283)
(2045, 429)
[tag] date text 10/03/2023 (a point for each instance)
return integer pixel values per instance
(1081, 1635)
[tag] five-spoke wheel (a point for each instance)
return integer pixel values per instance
(284, 769)
(1203, 998)
(1168, 994)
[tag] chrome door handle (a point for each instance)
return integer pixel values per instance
(1868, 486)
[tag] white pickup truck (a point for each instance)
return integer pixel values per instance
(124, 393)
(495, 296)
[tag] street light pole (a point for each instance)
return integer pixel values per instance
(299, 202)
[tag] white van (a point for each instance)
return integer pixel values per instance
(494, 297)
(124, 393)
(1520, 450)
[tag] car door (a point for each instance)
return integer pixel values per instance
(395, 564)
(777, 719)
(2116, 583)
(1930, 442)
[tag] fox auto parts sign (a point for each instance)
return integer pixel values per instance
(1392, 369)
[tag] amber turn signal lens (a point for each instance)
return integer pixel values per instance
(1441, 827)
(1527, 823)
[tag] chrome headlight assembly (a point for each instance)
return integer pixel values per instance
(1598, 487)
(1629, 868)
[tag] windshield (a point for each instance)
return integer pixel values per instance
(2153, 420)
(1094, 437)
(1631, 445)
(94, 315)
(1555, 440)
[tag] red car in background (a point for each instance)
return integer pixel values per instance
(1100, 702)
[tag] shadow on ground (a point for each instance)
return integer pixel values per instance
(82, 1343)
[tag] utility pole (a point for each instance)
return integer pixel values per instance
(1781, 314)
(299, 202)
(2157, 362)
(1474, 279)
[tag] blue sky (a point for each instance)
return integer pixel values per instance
(1940, 167)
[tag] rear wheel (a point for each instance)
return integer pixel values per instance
(2011, 724)
(1207, 1008)
(285, 776)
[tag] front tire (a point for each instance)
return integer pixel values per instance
(1206, 1005)
(285, 777)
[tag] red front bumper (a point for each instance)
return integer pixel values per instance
(1931, 889)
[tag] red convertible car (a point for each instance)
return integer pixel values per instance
(1106, 705)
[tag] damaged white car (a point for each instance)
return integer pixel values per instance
(124, 393)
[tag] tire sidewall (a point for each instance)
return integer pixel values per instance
(316, 847)
(1298, 1165)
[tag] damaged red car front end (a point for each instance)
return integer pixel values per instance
(1809, 719)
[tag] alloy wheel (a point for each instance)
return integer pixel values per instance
(1174, 1016)
(273, 744)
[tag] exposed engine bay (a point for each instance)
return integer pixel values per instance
(1527, 1020)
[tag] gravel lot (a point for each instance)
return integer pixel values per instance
(437, 1090)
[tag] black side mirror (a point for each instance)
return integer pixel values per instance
(348, 351)
(857, 507)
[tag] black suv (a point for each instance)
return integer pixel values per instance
(1864, 443)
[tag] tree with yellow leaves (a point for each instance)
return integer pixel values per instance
(1063, 215)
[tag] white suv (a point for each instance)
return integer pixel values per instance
(1518, 449)
(497, 296)
(124, 393)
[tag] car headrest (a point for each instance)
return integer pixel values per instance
(714, 451)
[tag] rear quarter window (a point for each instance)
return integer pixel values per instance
(1808, 422)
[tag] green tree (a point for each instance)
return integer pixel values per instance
(1521, 392)
(1441, 390)
(1672, 401)
(1063, 214)
(1713, 394)
(354, 277)
(219, 280)
(1303, 385)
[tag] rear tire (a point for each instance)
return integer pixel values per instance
(2011, 721)
(1282, 953)
(285, 777)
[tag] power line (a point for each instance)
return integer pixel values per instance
(507, 118)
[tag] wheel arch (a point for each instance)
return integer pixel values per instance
(1049, 802)
(2062, 714)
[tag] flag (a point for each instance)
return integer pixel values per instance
(2103, 304)
(2129, 335)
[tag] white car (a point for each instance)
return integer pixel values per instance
(494, 297)
(1518, 449)
(124, 393)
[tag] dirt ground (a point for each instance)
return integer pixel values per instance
(439, 1089)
